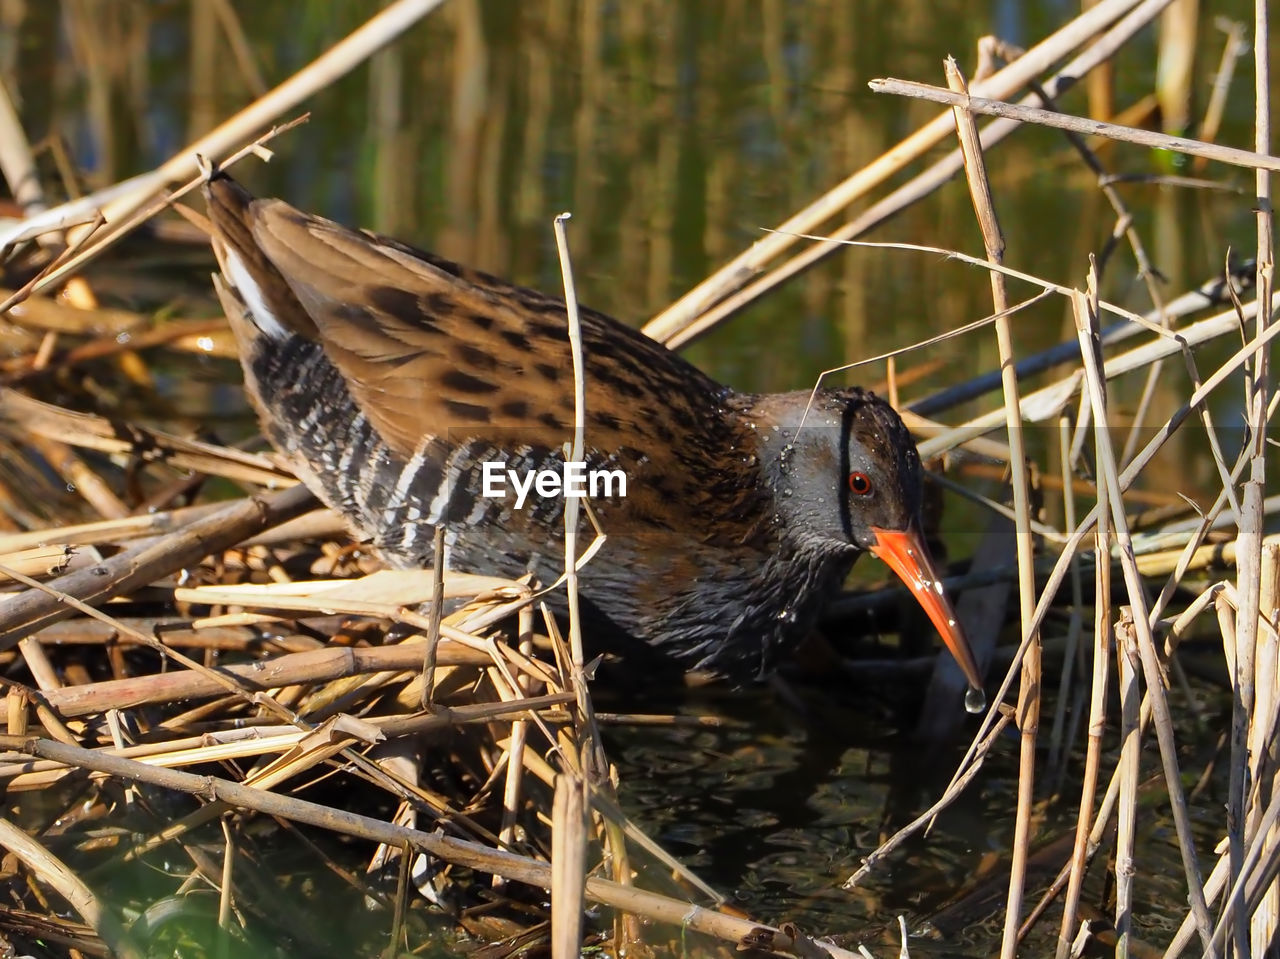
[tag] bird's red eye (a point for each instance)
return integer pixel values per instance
(860, 484)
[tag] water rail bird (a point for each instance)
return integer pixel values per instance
(388, 377)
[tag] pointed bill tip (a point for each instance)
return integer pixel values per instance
(904, 552)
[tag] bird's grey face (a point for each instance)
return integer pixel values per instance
(881, 473)
(849, 478)
(849, 469)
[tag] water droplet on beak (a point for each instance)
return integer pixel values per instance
(975, 700)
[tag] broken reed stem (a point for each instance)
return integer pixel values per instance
(1029, 694)
(568, 865)
(511, 791)
(1130, 744)
(573, 453)
(429, 656)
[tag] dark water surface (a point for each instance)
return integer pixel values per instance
(674, 132)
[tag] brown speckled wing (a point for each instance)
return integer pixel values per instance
(429, 348)
(425, 347)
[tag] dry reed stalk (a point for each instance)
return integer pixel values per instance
(1234, 46)
(1028, 710)
(141, 565)
(179, 633)
(40, 314)
(429, 656)
(1249, 159)
(1265, 919)
(360, 44)
(321, 665)
(1179, 32)
(683, 327)
(569, 868)
(1129, 662)
(96, 236)
(17, 164)
(1177, 563)
(1049, 401)
(75, 213)
(21, 413)
(965, 774)
(1099, 687)
(38, 664)
(574, 453)
(512, 787)
(734, 274)
(1088, 330)
(1251, 531)
(212, 747)
(574, 788)
(46, 561)
(1057, 757)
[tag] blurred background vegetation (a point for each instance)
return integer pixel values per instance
(673, 131)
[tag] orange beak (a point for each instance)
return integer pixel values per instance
(905, 553)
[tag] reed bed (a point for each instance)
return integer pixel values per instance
(193, 653)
